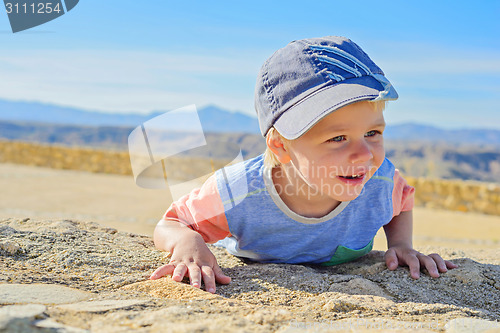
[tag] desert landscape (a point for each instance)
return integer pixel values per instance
(76, 253)
(110, 112)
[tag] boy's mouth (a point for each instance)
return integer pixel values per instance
(353, 179)
(354, 176)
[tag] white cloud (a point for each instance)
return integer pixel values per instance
(431, 59)
(435, 84)
(127, 81)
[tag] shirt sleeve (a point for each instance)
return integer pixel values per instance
(202, 211)
(402, 195)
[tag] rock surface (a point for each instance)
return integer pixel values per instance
(38, 293)
(70, 276)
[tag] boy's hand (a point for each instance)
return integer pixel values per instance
(406, 256)
(191, 257)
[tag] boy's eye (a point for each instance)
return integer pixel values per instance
(372, 133)
(339, 138)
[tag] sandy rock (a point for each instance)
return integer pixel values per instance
(469, 273)
(77, 254)
(20, 318)
(22, 311)
(40, 294)
(333, 304)
(102, 306)
(360, 286)
(167, 288)
(54, 326)
(10, 247)
(471, 325)
(113, 268)
(361, 325)
(347, 303)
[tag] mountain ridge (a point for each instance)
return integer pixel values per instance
(413, 158)
(218, 120)
(212, 118)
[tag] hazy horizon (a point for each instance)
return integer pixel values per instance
(119, 56)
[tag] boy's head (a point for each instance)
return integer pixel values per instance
(308, 79)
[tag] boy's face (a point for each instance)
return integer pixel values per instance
(339, 154)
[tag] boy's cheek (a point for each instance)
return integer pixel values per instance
(372, 171)
(378, 155)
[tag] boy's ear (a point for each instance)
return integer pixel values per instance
(275, 143)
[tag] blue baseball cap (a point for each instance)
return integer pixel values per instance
(310, 78)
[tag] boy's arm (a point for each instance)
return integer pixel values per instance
(401, 253)
(189, 223)
(189, 256)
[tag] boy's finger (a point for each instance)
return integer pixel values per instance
(220, 276)
(391, 259)
(194, 275)
(414, 264)
(208, 278)
(441, 265)
(430, 264)
(179, 272)
(450, 265)
(162, 271)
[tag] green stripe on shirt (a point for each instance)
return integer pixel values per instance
(387, 179)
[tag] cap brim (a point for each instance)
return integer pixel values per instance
(299, 118)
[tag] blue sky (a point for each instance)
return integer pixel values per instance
(443, 57)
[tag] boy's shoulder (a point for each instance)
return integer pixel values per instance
(254, 162)
(254, 165)
(236, 182)
(247, 171)
(386, 168)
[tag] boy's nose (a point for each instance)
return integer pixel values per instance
(361, 152)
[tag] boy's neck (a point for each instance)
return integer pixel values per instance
(298, 196)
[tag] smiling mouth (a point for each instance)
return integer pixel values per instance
(361, 175)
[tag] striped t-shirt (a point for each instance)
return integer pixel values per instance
(238, 207)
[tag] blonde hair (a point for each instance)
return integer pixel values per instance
(271, 160)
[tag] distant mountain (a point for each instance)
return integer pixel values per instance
(424, 133)
(218, 120)
(104, 137)
(416, 158)
(413, 158)
(53, 114)
(441, 160)
(212, 118)
(110, 137)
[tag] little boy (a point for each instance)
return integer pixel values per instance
(322, 189)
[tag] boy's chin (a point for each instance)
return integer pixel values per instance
(347, 193)
(343, 198)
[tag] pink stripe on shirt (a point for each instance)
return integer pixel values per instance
(202, 211)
